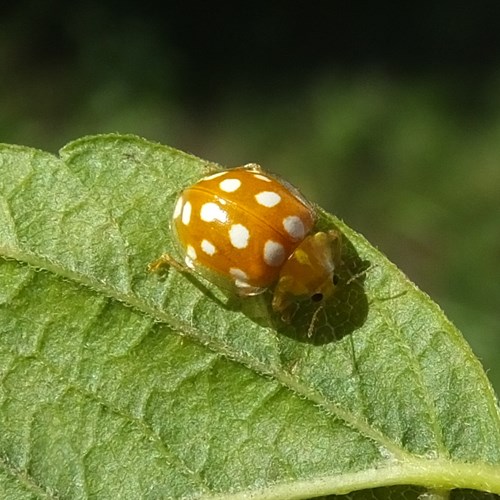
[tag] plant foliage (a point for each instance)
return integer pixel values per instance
(116, 383)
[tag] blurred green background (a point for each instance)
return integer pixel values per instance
(387, 115)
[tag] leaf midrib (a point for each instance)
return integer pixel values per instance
(437, 473)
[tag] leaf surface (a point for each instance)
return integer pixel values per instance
(117, 383)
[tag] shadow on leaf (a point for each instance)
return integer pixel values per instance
(337, 317)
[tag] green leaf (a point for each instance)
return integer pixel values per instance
(116, 383)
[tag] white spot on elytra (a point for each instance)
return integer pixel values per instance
(238, 274)
(191, 252)
(241, 284)
(190, 256)
(178, 207)
(274, 253)
(208, 247)
(211, 211)
(262, 177)
(230, 185)
(268, 198)
(294, 227)
(213, 176)
(239, 236)
(240, 277)
(186, 213)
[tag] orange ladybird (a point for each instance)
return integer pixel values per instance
(247, 230)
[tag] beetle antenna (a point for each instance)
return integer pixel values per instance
(314, 320)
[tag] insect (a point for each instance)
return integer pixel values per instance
(246, 230)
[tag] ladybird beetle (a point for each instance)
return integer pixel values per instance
(247, 230)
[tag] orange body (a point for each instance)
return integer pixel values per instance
(242, 225)
(246, 230)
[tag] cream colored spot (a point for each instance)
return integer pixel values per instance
(186, 213)
(211, 211)
(242, 284)
(262, 177)
(240, 278)
(294, 227)
(274, 253)
(178, 207)
(190, 256)
(191, 252)
(213, 176)
(239, 236)
(208, 247)
(230, 185)
(268, 198)
(239, 274)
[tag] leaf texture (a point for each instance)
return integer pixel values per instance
(116, 383)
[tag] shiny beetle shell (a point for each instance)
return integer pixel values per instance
(247, 230)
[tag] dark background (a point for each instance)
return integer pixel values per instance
(388, 115)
